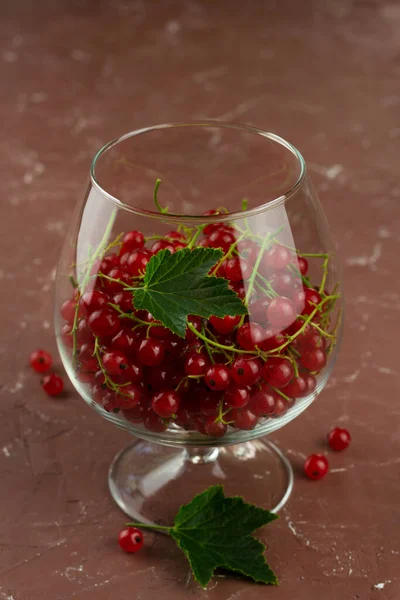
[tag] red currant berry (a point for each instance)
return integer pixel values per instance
(124, 341)
(166, 403)
(221, 238)
(128, 396)
(233, 269)
(137, 414)
(258, 310)
(137, 261)
(236, 397)
(196, 364)
(162, 245)
(176, 235)
(197, 324)
(339, 439)
(173, 347)
(208, 229)
(114, 362)
(66, 335)
(299, 299)
(262, 403)
(281, 312)
(109, 402)
(316, 466)
(314, 360)
(104, 322)
(130, 539)
(281, 407)
(116, 286)
(311, 382)
(41, 361)
(225, 324)
(302, 265)
(84, 334)
(154, 423)
(215, 428)
(91, 301)
(297, 388)
(217, 377)
(246, 371)
(278, 372)
(108, 263)
(52, 384)
(133, 240)
(277, 258)
(124, 301)
(283, 283)
(151, 352)
(86, 357)
(250, 335)
(273, 340)
(311, 299)
(207, 403)
(67, 310)
(238, 288)
(243, 419)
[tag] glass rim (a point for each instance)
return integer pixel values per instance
(270, 204)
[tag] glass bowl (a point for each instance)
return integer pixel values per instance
(237, 202)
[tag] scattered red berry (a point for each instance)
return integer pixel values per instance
(130, 539)
(339, 439)
(316, 466)
(52, 384)
(41, 361)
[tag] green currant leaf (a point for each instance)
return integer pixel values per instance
(215, 531)
(177, 285)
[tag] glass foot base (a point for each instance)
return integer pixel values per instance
(149, 482)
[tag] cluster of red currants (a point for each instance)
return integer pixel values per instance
(41, 361)
(227, 371)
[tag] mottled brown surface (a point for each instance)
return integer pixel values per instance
(326, 76)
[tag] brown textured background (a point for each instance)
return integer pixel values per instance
(326, 76)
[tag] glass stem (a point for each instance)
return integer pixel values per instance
(199, 456)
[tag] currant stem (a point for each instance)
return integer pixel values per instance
(254, 272)
(324, 274)
(148, 526)
(131, 316)
(281, 393)
(217, 345)
(195, 237)
(208, 349)
(155, 198)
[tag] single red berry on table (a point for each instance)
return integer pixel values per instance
(281, 312)
(166, 403)
(278, 372)
(215, 428)
(316, 466)
(339, 439)
(246, 371)
(225, 324)
(41, 361)
(151, 352)
(133, 240)
(217, 377)
(104, 322)
(250, 335)
(68, 309)
(130, 539)
(52, 384)
(236, 397)
(314, 360)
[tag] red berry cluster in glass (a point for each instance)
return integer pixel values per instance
(227, 372)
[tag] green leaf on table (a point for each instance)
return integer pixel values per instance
(215, 531)
(177, 285)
